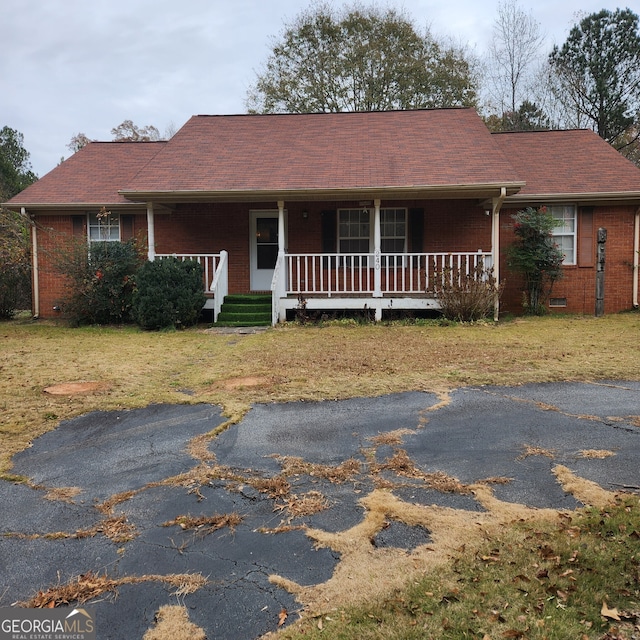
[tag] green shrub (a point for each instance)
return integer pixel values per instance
(101, 281)
(15, 270)
(15, 283)
(170, 293)
(536, 256)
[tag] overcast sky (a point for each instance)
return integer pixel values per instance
(70, 66)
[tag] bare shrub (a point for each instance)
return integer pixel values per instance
(466, 296)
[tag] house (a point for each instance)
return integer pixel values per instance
(346, 210)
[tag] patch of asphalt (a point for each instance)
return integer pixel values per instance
(482, 433)
(401, 535)
(19, 503)
(27, 566)
(416, 494)
(327, 432)
(108, 452)
(229, 555)
(605, 399)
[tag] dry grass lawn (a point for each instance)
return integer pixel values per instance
(51, 373)
(129, 368)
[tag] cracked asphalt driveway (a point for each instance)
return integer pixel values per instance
(234, 530)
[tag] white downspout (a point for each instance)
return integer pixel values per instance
(34, 264)
(636, 257)
(495, 246)
(151, 233)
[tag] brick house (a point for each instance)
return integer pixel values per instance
(346, 210)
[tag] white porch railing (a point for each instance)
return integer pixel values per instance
(215, 272)
(401, 273)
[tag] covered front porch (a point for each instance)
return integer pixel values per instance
(346, 281)
(376, 281)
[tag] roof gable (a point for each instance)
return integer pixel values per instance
(327, 151)
(572, 163)
(91, 176)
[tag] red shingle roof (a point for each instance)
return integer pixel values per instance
(327, 151)
(568, 163)
(93, 175)
(250, 155)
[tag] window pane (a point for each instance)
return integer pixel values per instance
(267, 230)
(392, 245)
(267, 254)
(104, 229)
(393, 230)
(353, 231)
(354, 246)
(566, 245)
(564, 235)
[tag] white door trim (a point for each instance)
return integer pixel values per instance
(260, 279)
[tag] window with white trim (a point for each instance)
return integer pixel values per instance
(103, 226)
(564, 235)
(355, 230)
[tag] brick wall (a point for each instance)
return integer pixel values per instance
(456, 225)
(53, 234)
(578, 286)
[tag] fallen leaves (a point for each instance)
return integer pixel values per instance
(596, 454)
(612, 614)
(90, 585)
(205, 524)
(305, 504)
(294, 466)
(117, 529)
(402, 464)
(530, 450)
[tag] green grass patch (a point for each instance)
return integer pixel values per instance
(578, 578)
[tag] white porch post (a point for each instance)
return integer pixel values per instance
(495, 246)
(151, 233)
(281, 237)
(377, 241)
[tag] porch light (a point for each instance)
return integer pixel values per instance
(305, 214)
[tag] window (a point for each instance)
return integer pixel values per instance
(355, 230)
(564, 234)
(104, 227)
(393, 227)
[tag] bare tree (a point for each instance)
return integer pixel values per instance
(127, 131)
(515, 56)
(78, 141)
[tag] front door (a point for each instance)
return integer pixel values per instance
(264, 248)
